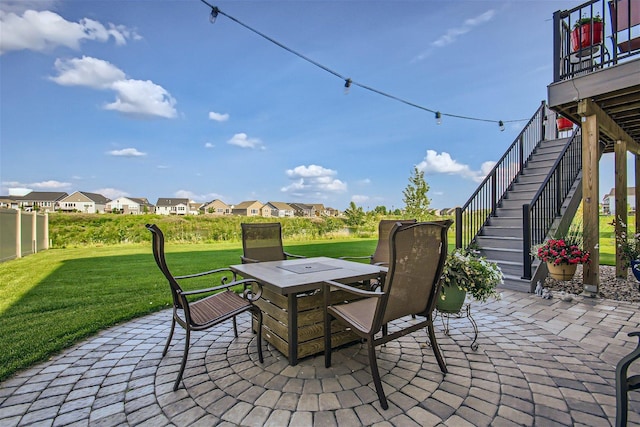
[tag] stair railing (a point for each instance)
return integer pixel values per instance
(544, 209)
(474, 214)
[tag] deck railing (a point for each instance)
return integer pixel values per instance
(579, 50)
(545, 206)
(474, 214)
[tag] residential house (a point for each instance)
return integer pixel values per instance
(277, 209)
(320, 210)
(216, 207)
(130, 205)
(194, 208)
(43, 201)
(332, 211)
(172, 206)
(301, 209)
(609, 201)
(248, 208)
(82, 201)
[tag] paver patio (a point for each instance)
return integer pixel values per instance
(540, 362)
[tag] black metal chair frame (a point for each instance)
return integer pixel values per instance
(229, 303)
(625, 384)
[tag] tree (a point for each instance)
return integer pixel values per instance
(354, 214)
(415, 196)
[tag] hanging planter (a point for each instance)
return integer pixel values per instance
(564, 124)
(587, 32)
(561, 271)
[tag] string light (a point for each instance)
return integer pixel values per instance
(347, 85)
(215, 11)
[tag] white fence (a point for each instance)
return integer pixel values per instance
(22, 233)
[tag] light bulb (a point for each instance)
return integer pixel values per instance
(438, 118)
(214, 14)
(347, 85)
(501, 124)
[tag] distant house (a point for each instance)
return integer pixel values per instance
(609, 201)
(43, 201)
(194, 208)
(216, 207)
(277, 209)
(9, 202)
(332, 211)
(130, 206)
(248, 208)
(172, 206)
(301, 209)
(320, 210)
(82, 201)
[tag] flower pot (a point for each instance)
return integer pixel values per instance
(561, 271)
(564, 124)
(453, 301)
(586, 35)
(635, 268)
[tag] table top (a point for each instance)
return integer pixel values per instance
(306, 274)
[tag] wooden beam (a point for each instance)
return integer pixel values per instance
(590, 202)
(586, 108)
(620, 150)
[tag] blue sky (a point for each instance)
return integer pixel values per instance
(150, 99)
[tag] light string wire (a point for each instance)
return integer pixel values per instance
(215, 11)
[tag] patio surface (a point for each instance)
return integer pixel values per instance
(540, 362)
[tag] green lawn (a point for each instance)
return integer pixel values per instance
(53, 299)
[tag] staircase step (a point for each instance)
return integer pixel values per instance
(515, 283)
(496, 231)
(505, 221)
(501, 255)
(499, 242)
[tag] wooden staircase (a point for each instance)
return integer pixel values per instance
(501, 239)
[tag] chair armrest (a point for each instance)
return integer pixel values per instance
(351, 289)
(205, 273)
(246, 260)
(293, 255)
(248, 293)
(382, 264)
(369, 257)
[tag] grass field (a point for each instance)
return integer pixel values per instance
(53, 299)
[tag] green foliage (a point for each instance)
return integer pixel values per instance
(73, 230)
(415, 196)
(355, 215)
(468, 271)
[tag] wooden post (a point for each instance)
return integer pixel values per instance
(637, 191)
(621, 208)
(590, 197)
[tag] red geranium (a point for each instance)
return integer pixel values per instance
(560, 252)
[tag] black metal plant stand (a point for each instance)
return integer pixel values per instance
(465, 311)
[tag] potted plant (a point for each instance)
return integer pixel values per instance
(563, 124)
(562, 257)
(467, 273)
(586, 32)
(630, 249)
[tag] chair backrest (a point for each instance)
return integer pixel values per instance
(625, 14)
(158, 254)
(418, 253)
(263, 241)
(381, 254)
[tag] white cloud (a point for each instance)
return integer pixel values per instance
(111, 193)
(365, 181)
(202, 198)
(209, 145)
(435, 163)
(359, 199)
(218, 117)
(136, 97)
(44, 30)
(49, 185)
(453, 33)
(242, 140)
(313, 180)
(126, 152)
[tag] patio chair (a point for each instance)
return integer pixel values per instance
(625, 15)
(381, 255)
(206, 312)
(625, 384)
(263, 242)
(418, 252)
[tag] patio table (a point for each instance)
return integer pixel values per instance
(292, 302)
